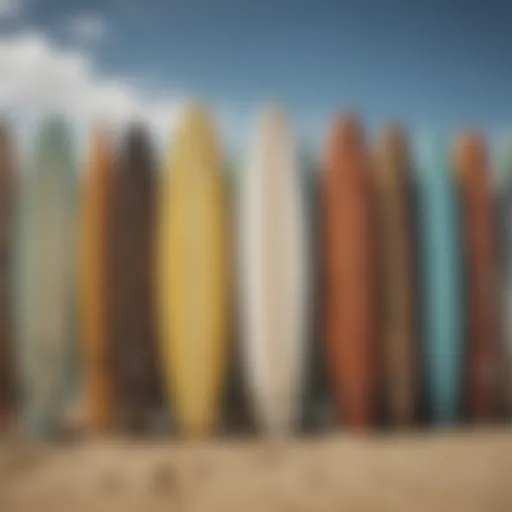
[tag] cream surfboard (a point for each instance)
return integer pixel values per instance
(44, 281)
(273, 265)
(193, 280)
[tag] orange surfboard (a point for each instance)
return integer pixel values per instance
(474, 178)
(350, 315)
(92, 280)
(391, 175)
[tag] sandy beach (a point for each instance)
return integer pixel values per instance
(444, 471)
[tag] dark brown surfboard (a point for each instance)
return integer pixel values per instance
(350, 316)
(7, 203)
(130, 267)
(474, 178)
(398, 350)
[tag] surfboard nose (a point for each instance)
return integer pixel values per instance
(469, 151)
(272, 127)
(5, 138)
(272, 117)
(392, 146)
(137, 147)
(136, 135)
(195, 135)
(53, 130)
(345, 140)
(432, 153)
(347, 128)
(54, 147)
(194, 117)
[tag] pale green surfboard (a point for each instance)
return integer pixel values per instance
(44, 280)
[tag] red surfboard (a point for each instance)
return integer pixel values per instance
(474, 178)
(350, 315)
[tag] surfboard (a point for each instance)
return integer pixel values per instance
(132, 337)
(504, 216)
(441, 283)
(44, 281)
(8, 186)
(92, 279)
(273, 279)
(236, 412)
(193, 274)
(349, 277)
(317, 402)
(470, 162)
(398, 351)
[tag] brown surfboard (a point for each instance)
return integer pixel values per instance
(350, 315)
(92, 279)
(131, 323)
(7, 200)
(391, 175)
(473, 173)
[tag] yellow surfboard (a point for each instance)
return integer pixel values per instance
(91, 276)
(192, 274)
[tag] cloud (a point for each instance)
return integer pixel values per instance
(88, 27)
(37, 77)
(10, 8)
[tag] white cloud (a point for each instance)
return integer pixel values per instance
(37, 77)
(10, 8)
(88, 27)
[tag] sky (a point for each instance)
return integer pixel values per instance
(434, 65)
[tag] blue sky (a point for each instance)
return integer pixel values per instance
(434, 65)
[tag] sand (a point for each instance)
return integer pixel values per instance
(445, 471)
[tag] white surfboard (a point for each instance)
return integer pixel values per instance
(273, 265)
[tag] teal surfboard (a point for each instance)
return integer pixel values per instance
(44, 281)
(441, 283)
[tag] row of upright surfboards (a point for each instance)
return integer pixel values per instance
(135, 288)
